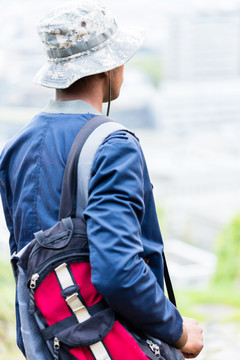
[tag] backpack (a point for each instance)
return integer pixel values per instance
(63, 317)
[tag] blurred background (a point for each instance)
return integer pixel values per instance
(181, 96)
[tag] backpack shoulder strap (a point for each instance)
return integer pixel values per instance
(86, 159)
(79, 164)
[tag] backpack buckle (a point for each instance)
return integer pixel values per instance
(69, 291)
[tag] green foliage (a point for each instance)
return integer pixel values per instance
(228, 254)
(8, 348)
(7, 292)
(224, 288)
(220, 294)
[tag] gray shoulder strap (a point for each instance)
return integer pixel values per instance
(86, 159)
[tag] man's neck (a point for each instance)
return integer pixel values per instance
(91, 91)
(93, 102)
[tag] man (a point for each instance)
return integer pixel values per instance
(86, 55)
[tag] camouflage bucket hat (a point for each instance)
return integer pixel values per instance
(81, 38)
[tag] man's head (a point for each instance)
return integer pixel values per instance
(81, 39)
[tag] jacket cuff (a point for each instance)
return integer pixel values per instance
(183, 339)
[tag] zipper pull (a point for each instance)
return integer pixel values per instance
(155, 348)
(56, 346)
(34, 281)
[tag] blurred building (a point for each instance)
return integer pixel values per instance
(204, 45)
(201, 67)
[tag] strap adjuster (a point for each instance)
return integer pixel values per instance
(77, 307)
(69, 291)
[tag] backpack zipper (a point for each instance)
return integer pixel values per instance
(155, 348)
(56, 347)
(34, 280)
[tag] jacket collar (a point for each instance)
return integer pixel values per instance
(70, 107)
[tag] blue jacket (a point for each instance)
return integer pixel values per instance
(124, 236)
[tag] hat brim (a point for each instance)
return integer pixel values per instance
(116, 52)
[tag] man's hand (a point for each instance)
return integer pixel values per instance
(194, 343)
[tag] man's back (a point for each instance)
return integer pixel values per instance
(32, 167)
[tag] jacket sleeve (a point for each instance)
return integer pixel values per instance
(114, 214)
